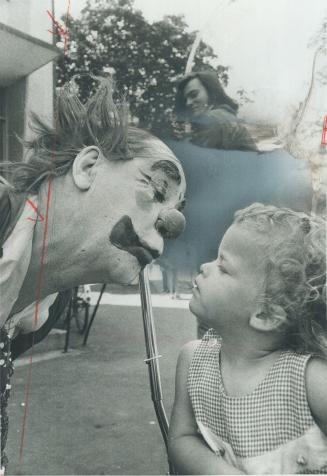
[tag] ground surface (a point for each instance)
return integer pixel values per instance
(89, 411)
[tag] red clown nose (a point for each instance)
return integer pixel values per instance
(170, 223)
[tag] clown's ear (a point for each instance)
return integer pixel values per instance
(83, 169)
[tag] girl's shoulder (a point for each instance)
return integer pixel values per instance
(187, 352)
(196, 352)
(184, 362)
(316, 388)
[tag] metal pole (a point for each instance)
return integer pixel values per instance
(68, 324)
(93, 315)
(153, 356)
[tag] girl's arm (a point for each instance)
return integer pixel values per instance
(316, 385)
(187, 451)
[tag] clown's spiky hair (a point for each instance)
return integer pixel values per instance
(102, 122)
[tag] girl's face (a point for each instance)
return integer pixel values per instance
(226, 291)
(196, 97)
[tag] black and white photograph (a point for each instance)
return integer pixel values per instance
(163, 180)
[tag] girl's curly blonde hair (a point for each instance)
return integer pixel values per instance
(296, 272)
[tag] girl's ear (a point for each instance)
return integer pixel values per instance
(270, 319)
(83, 169)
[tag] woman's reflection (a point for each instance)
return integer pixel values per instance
(201, 100)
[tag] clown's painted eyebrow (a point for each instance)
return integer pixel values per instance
(169, 168)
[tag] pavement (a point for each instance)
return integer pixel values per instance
(89, 411)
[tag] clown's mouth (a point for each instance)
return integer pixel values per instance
(124, 237)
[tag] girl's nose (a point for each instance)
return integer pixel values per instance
(170, 223)
(189, 101)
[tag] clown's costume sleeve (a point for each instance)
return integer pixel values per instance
(16, 234)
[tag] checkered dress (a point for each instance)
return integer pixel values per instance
(275, 413)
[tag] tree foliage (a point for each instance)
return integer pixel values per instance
(113, 38)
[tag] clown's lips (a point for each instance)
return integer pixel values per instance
(124, 237)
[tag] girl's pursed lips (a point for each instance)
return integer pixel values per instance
(195, 285)
(195, 291)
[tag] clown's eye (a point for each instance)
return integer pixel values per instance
(146, 179)
(159, 196)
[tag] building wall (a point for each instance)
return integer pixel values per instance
(29, 16)
(15, 104)
(35, 92)
(39, 95)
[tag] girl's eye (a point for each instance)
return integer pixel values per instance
(222, 269)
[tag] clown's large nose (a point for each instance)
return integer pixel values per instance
(170, 223)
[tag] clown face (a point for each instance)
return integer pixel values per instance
(132, 206)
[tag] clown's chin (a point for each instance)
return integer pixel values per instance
(142, 255)
(124, 268)
(131, 275)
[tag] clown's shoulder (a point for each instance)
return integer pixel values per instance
(16, 231)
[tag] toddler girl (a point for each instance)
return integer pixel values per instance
(251, 397)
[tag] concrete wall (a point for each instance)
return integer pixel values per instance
(39, 95)
(15, 103)
(29, 16)
(35, 92)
